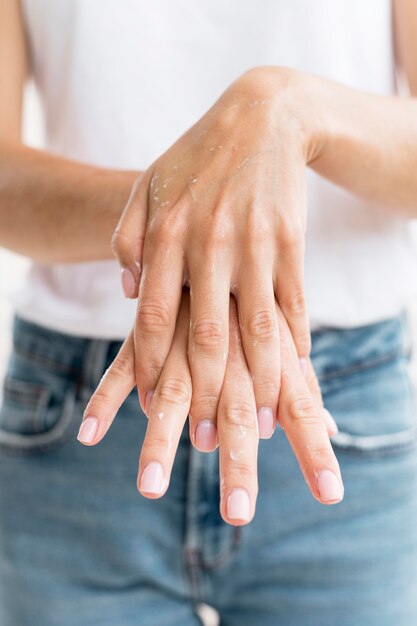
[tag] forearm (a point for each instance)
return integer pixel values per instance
(364, 143)
(55, 210)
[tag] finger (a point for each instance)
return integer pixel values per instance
(259, 330)
(167, 413)
(331, 425)
(290, 295)
(304, 426)
(238, 434)
(113, 389)
(207, 348)
(159, 300)
(313, 383)
(314, 386)
(128, 238)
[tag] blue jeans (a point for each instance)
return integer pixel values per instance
(79, 546)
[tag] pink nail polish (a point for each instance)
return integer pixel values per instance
(206, 436)
(128, 283)
(152, 480)
(88, 430)
(265, 422)
(330, 423)
(148, 400)
(329, 486)
(238, 505)
(303, 366)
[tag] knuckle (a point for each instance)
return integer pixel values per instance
(122, 368)
(303, 343)
(294, 304)
(322, 455)
(291, 236)
(120, 243)
(208, 333)
(204, 404)
(269, 386)
(174, 391)
(259, 231)
(303, 408)
(218, 234)
(153, 316)
(243, 469)
(262, 325)
(147, 373)
(156, 441)
(102, 399)
(241, 413)
(166, 229)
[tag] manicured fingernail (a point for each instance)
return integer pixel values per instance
(265, 422)
(330, 423)
(206, 436)
(238, 505)
(88, 430)
(148, 400)
(303, 366)
(329, 486)
(128, 283)
(152, 480)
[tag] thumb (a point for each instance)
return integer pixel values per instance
(127, 240)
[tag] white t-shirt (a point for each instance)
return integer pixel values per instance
(121, 81)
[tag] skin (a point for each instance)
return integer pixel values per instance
(337, 147)
(33, 183)
(56, 210)
(224, 210)
(369, 147)
(405, 27)
(300, 410)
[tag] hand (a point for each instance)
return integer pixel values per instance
(301, 415)
(224, 210)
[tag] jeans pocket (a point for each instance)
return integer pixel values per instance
(35, 416)
(376, 444)
(374, 409)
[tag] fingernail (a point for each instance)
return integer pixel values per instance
(128, 283)
(152, 480)
(148, 400)
(303, 366)
(330, 423)
(265, 422)
(206, 436)
(238, 505)
(329, 486)
(88, 430)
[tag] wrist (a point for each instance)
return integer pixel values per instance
(298, 101)
(110, 191)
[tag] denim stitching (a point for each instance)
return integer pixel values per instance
(44, 361)
(227, 557)
(364, 366)
(40, 442)
(30, 397)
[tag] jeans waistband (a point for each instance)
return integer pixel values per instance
(333, 349)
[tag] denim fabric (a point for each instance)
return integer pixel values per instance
(79, 546)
